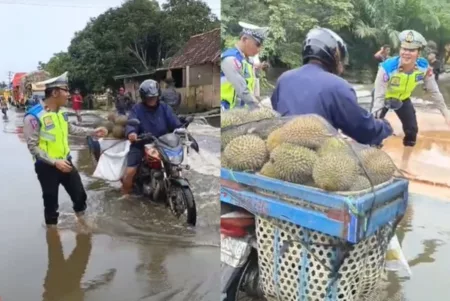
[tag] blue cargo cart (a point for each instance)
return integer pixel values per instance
(299, 230)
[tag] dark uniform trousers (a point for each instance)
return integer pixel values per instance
(407, 115)
(50, 177)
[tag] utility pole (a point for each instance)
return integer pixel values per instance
(10, 74)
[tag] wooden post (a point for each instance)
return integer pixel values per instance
(187, 87)
(213, 86)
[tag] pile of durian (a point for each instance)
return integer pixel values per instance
(115, 124)
(304, 150)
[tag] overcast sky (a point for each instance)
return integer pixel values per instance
(33, 30)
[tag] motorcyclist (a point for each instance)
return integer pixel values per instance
(155, 117)
(396, 80)
(316, 88)
(237, 76)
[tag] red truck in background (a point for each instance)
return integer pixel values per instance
(17, 96)
(25, 84)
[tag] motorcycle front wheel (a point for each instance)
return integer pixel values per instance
(184, 202)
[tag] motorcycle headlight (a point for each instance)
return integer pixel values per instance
(176, 159)
(175, 156)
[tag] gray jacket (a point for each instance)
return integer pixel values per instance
(171, 97)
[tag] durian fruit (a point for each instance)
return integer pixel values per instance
(308, 131)
(239, 112)
(112, 117)
(333, 144)
(260, 114)
(223, 162)
(108, 125)
(118, 132)
(263, 128)
(121, 120)
(379, 166)
(227, 135)
(311, 184)
(360, 183)
(246, 153)
(335, 171)
(229, 119)
(293, 163)
(274, 139)
(269, 170)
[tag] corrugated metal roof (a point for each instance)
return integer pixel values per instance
(200, 49)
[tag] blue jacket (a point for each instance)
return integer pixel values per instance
(159, 121)
(312, 90)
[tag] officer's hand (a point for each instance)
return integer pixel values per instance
(132, 137)
(63, 165)
(100, 132)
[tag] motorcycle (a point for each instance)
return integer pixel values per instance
(160, 174)
(239, 255)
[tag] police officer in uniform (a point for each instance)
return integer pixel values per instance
(237, 77)
(396, 80)
(46, 129)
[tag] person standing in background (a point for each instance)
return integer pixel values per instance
(4, 107)
(122, 102)
(171, 96)
(383, 53)
(77, 103)
(435, 64)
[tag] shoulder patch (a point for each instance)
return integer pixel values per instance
(34, 123)
(48, 123)
(237, 64)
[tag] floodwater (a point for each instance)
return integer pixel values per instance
(137, 251)
(424, 234)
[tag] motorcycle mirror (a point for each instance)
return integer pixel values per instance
(133, 122)
(189, 119)
(194, 144)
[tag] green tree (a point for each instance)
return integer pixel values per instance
(364, 24)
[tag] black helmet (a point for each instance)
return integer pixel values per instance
(149, 88)
(322, 44)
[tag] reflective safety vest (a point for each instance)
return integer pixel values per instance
(400, 85)
(54, 132)
(227, 91)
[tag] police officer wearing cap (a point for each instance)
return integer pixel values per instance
(316, 88)
(237, 76)
(46, 129)
(396, 80)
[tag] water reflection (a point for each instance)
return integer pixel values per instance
(153, 269)
(63, 279)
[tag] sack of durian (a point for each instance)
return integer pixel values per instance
(305, 150)
(115, 124)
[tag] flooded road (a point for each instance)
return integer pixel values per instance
(424, 234)
(138, 251)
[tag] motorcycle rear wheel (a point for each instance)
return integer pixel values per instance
(236, 291)
(185, 195)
